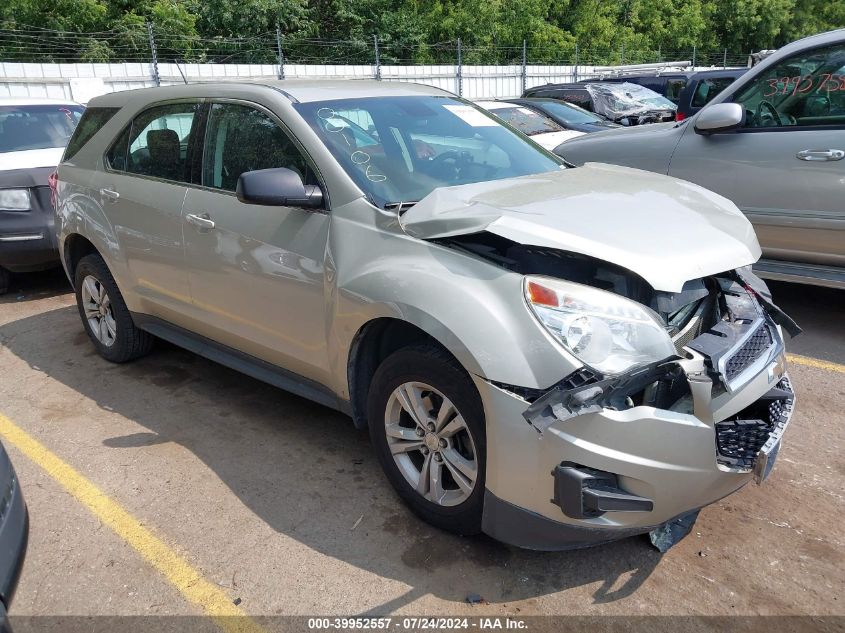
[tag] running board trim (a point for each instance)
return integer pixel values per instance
(813, 274)
(239, 361)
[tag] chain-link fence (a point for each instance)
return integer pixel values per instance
(147, 42)
(45, 63)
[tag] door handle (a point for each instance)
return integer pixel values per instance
(821, 154)
(202, 221)
(111, 194)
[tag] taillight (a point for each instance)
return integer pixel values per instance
(53, 181)
(680, 116)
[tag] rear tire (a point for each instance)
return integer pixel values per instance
(104, 314)
(5, 278)
(427, 425)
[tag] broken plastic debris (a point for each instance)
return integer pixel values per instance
(672, 532)
(360, 518)
(236, 601)
(474, 598)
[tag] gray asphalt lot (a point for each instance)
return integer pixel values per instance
(280, 502)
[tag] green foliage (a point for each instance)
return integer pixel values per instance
(409, 31)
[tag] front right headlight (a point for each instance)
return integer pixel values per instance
(609, 333)
(14, 199)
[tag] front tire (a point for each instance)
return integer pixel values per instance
(427, 425)
(5, 278)
(104, 313)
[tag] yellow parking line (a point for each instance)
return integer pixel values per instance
(178, 571)
(815, 362)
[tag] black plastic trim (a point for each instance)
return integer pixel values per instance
(586, 493)
(523, 528)
(244, 363)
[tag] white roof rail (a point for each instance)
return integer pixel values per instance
(633, 69)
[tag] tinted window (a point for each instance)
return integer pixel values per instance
(159, 142)
(807, 89)
(423, 143)
(40, 127)
(674, 87)
(578, 97)
(240, 139)
(116, 156)
(707, 89)
(526, 120)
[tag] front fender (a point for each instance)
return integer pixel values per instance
(474, 309)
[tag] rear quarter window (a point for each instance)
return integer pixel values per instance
(92, 120)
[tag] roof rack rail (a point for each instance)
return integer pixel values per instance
(642, 69)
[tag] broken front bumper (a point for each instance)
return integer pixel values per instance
(573, 480)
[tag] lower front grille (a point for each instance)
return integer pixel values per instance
(740, 438)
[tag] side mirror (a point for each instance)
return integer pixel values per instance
(720, 117)
(278, 187)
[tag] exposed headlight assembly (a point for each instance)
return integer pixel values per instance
(609, 333)
(14, 199)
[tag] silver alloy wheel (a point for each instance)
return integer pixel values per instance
(98, 310)
(431, 444)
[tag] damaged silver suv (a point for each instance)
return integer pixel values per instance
(555, 356)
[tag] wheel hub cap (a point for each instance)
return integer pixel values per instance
(431, 444)
(97, 308)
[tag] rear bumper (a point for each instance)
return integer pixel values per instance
(656, 464)
(27, 238)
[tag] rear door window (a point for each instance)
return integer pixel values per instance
(578, 97)
(158, 143)
(674, 87)
(707, 89)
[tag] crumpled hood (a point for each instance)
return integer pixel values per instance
(668, 231)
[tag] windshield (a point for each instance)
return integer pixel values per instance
(526, 120)
(568, 113)
(399, 149)
(37, 126)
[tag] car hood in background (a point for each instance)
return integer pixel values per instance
(668, 231)
(639, 131)
(647, 147)
(550, 140)
(25, 159)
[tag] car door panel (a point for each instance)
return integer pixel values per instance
(256, 277)
(793, 204)
(143, 190)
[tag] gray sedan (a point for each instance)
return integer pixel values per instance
(773, 142)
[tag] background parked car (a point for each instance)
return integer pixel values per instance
(670, 83)
(625, 103)
(690, 91)
(567, 115)
(33, 136)
(540, 127)
(774, 143)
